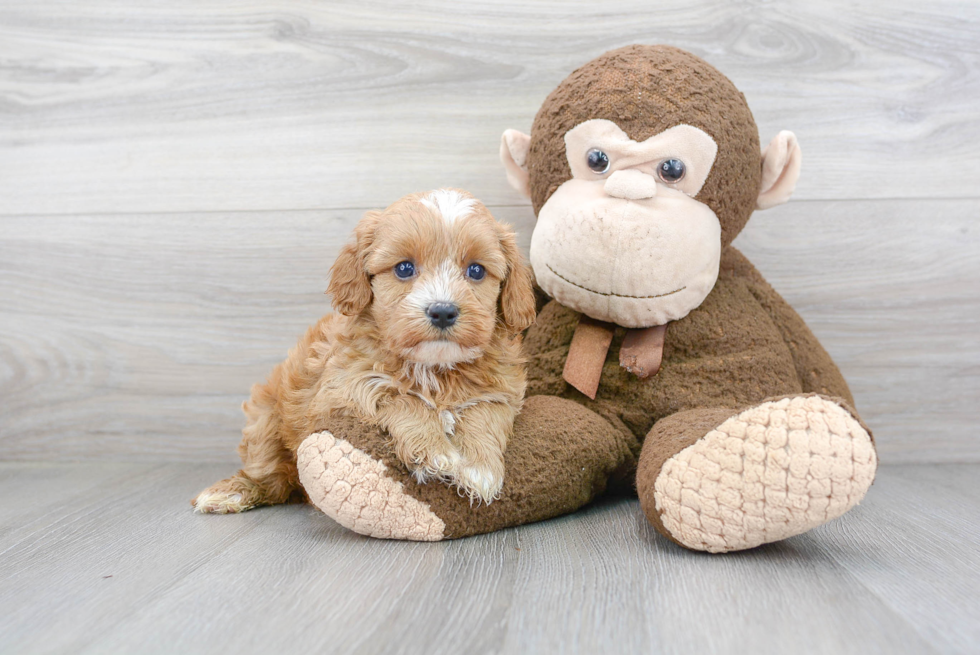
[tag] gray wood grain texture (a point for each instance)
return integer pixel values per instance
(176, 179)
(100, 558)
(270, 105)
(137, 337)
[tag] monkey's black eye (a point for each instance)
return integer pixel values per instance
(598, 160)
(476, 272)
(404, 270)
(671, 170)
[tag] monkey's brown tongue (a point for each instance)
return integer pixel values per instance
(640, 354)
(643, 350)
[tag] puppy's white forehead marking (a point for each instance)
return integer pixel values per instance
(449, 203)
(437, 287)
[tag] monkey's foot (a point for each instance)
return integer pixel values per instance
(768, 473)
(353, 489)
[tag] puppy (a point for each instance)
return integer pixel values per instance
(432, 298)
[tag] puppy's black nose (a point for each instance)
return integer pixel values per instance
(442, 314)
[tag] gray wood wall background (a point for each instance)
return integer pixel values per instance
(176, 179)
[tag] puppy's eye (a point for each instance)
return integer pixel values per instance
(597, 160)
(476, 272)
(671, 170)
(404, 270)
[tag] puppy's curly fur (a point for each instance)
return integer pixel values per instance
(446, 395)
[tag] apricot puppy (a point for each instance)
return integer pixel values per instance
(432, 297)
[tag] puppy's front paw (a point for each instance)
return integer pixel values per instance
(440, 462)
(481, 481)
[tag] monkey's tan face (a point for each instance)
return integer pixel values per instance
(625, 240)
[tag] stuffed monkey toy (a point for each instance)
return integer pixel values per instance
(661, 361)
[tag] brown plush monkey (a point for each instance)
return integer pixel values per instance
(663, 357)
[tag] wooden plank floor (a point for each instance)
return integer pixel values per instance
(98, 558)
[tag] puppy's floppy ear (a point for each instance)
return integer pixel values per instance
(350, 284)
(517, 301)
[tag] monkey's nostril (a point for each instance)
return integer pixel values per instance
(442, 314)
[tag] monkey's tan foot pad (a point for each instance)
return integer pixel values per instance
(771, 472)
(352, 488)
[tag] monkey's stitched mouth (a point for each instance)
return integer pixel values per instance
(615, 295)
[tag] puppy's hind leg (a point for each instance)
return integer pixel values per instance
(235, 494)
(268, 475)
(276, 424)
(240, 492)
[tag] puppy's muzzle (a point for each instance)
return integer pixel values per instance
(442, 314)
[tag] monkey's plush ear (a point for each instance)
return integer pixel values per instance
(518, 305)
(350, 284)
(781, 161)
(514, 147)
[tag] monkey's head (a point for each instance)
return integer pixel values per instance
(641, 166)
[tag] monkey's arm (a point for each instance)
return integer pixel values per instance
(562, 455)
(814, 367)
